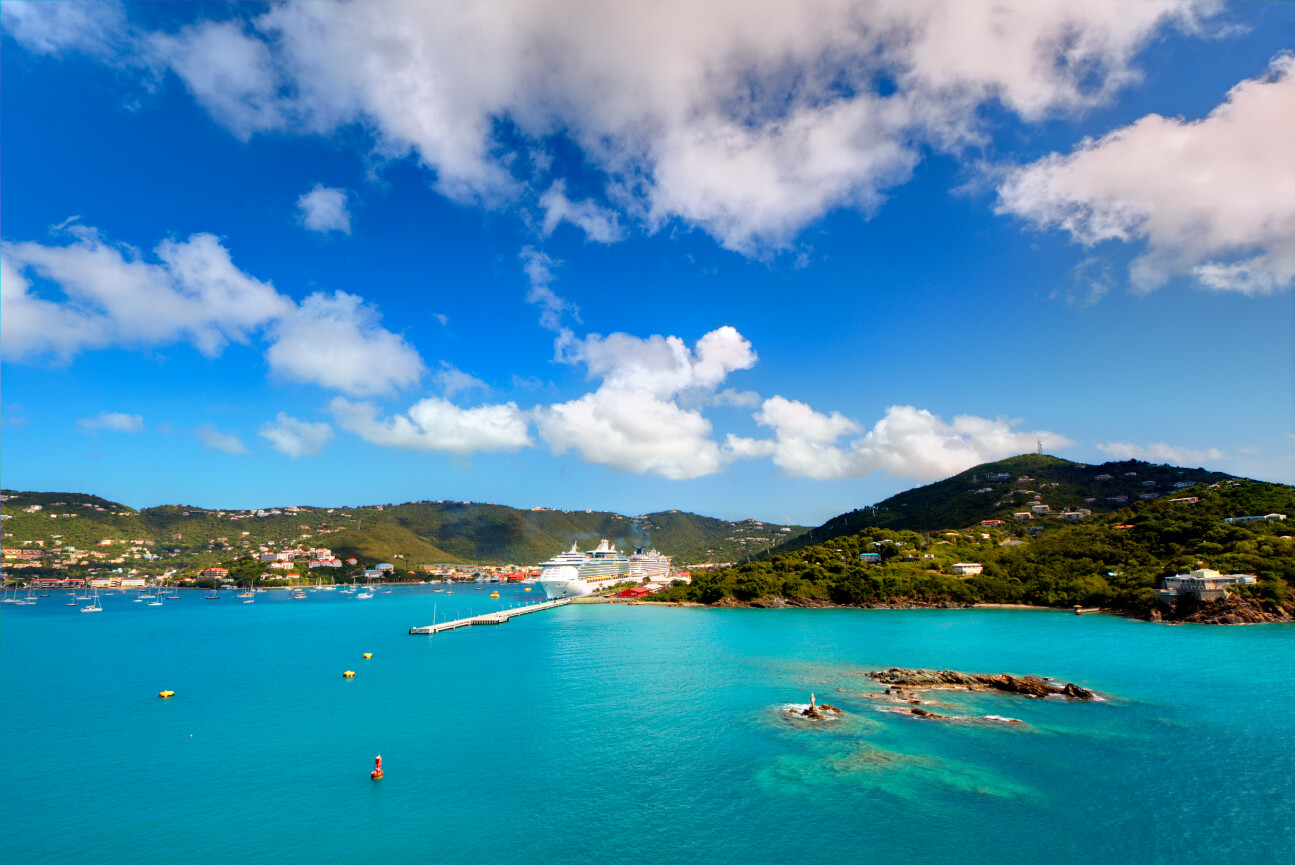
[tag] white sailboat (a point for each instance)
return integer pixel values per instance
(93, 606)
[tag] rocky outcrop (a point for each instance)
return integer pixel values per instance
(1232, 610)
(900, 678)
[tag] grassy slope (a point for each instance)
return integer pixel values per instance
(405, 534)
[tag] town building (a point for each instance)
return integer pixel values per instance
(966, 569)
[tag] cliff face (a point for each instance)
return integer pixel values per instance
(1233, 610)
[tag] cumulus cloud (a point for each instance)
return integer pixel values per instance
(295, 437)
(113, 421)
(906, 442)
(335, 341)
(214, 439)
(324, 209)
(1213, 199)
(95, 294)
(435, 424)
(633, 421)
(749, 118)
(112, 296)
(1159, 452)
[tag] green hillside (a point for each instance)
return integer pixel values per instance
(976, 494)
(73, 527)
(1113, 559)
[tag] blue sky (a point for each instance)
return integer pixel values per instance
(772, 260)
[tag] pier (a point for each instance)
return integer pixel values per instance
(496, 618)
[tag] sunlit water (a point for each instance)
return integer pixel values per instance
(629, 734)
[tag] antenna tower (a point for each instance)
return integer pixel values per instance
(1040, 441)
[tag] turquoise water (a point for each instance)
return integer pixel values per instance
(628, 734)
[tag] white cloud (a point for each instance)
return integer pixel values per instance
(113, 421)
(907, 442)
(214, 439)
(295, 437)
(323, 209)
(229, 73)
(749, 118)
(452, 380)
(599, 224)
(435, 424)
(336, 341)
(48, 27)
(539, 267)
(111, 296)
(1159, 452)
(1212, 198)
(633, 421)
(736, 398)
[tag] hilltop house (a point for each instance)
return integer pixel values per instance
(870, 558)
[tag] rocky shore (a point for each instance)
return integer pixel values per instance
(1232, 610)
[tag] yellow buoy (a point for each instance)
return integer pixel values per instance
(165, 694)
(527, 589)
(368, 655)
(348, 674)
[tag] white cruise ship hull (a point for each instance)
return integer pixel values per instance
(559, 588)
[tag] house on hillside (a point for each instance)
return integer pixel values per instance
(1203, 583)
(870, 558)
(966, 569)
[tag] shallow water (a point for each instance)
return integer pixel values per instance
(630, 734)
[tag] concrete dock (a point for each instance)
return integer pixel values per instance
(496, 618)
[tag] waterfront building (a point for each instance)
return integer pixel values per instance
(1202, 583)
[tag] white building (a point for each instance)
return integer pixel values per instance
(1204, 583)
(966, 569)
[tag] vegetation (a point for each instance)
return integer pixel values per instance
(1112, 560)
(72, 527)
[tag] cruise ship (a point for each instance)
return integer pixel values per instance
(647, 564)
(573, 573)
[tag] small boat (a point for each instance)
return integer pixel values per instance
(365, 595)
(93, 606)
(494, 594)
(211, 597)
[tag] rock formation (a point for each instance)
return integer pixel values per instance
(900, 678)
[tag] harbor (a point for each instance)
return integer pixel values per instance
(497, 617)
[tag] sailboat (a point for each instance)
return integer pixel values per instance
(93, 607)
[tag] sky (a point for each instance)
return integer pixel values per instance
(743, 258)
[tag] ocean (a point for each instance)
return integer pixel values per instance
(629, 734)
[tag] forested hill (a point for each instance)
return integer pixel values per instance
(982, 493)
(1111, 560)
(414, 532)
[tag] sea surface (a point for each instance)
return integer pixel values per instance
(629, 734)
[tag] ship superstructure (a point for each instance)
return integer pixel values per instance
(573, 573)
(648, 564)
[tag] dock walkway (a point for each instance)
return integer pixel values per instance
(496, 618)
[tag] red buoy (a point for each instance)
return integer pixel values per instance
(377, 768)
